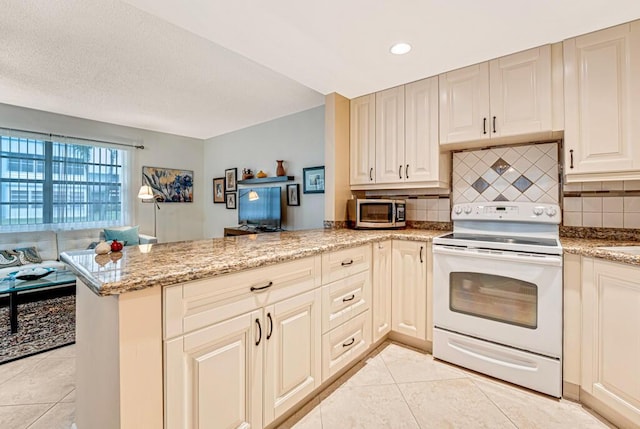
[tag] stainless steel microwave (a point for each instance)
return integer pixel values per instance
(376, 213)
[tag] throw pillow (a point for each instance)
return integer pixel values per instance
(128, 236)
(20, 256)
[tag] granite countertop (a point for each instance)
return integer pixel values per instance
(144, 266)
(590, 247)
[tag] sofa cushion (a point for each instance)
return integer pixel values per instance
(128, 236)
(77, 239)
(20, 256)
(44, 241)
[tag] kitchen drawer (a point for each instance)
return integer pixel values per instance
(343, 263)
(199, 303)
(345, 343)
(343, 299)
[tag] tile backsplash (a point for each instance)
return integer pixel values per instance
(516, 173)
(429, 209)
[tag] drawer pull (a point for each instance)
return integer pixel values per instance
(349, 343)
(268, 285)
(259, 332)
(421, 247)
(347, 263)
(270, 326)
(349, 298)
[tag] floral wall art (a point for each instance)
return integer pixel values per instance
(169, 185)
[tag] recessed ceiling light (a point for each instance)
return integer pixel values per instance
(400, 48)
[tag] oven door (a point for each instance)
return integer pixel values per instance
(509, 298)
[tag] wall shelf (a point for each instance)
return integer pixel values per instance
(272, 179)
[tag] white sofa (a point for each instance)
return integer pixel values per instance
(50, 244)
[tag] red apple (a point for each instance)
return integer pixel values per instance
(116, 246)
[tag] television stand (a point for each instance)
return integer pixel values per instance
(233, 231)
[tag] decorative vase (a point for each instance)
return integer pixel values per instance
(280, 170)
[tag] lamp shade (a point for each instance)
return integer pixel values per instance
(253, 195)
(145, 192)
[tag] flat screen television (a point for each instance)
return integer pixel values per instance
(264, 212)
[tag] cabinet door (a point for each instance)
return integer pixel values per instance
(422, 151)
(464, 104)
(390, 135)
(409, 276)
(520, 86)
(381, 287)
(362, 141)
(292, 348)
(602, 101)
(213, 377)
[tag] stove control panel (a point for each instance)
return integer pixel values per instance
(507, 211)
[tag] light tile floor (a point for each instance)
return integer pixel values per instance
(395, 387)
(38, 392)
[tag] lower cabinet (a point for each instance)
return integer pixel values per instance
(611, 336)
(381, 290)
(213, 377)
(409, 292)
(345, 343)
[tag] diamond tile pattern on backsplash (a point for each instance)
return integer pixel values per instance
(518, 173)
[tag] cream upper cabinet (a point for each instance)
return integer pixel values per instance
(611, 337)
(362, 143)
(423, 161)
(464, 104)
(602, 104)
(390, 135)
(498, 100)
(381, 288)
(409, 293)
(405, 146)
(293, 367)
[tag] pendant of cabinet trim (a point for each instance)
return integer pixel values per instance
(394, 139)
(602, 104)
(496, 101)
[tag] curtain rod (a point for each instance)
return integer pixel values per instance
(72, 137)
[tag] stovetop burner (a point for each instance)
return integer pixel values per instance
(533, 241)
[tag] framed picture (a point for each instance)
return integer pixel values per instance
(293, 194)
(218, 190)
(230, 198)
(231, 180)
(169, 185)
(313, 180)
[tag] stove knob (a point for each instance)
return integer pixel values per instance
(551, 212)
(457, 210)
(467, 209)
(538, 211)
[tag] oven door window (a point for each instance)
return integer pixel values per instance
(376, 212)
(492, 297)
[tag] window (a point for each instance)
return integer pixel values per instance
(48, 182)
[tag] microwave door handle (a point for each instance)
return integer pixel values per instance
(497, 255)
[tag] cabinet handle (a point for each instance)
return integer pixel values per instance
(350, 298)
(371, 174)
(347, 263)
(406, 171)
(348, 343)
(494, 124)
(268, 285)
(421, 247)
(571, 156)
(400, 172)
(484, 125)
(259, 332)
(270, 325)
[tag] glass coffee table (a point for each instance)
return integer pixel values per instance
(10, 286)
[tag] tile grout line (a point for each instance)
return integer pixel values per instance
(504, 413)
(40, 416)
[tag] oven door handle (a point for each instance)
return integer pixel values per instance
(498, 255)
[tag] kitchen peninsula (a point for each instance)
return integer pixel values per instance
(140, 314)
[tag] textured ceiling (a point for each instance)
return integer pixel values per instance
(201, 68)
(109, 61)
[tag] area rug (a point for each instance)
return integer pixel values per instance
(42, 325)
